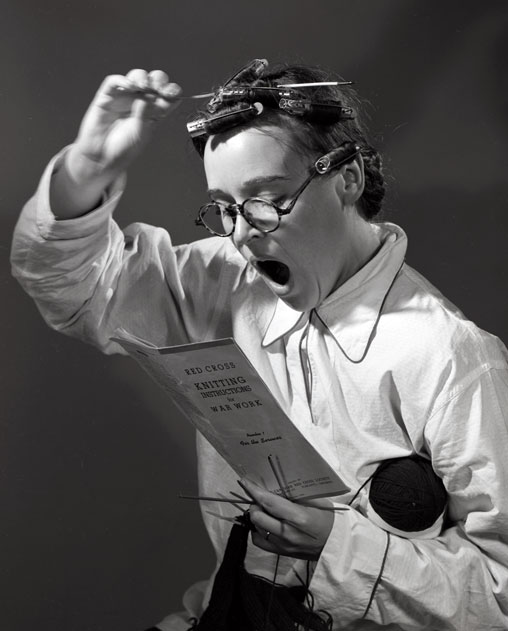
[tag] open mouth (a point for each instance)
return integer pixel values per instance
(275, 270)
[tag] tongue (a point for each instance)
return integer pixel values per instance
(275, 270)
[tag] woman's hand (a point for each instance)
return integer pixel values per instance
(284, 527)
(117, 125)
(123, 116)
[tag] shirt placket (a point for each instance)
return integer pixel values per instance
(300, 374)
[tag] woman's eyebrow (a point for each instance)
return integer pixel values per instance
(252, 182)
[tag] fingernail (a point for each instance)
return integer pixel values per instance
(173, 90)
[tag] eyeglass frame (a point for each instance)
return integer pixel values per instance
(323, 165)
(239, 208)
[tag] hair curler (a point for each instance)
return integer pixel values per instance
(222, 122)
(337, 157)
(320, 112)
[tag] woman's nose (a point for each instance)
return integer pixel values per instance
(244, 232)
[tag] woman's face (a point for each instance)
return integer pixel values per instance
(310, 253)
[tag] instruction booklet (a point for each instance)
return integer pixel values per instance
(217, 388)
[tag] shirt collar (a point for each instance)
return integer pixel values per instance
(352, 311)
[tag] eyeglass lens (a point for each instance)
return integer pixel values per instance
(257, 212)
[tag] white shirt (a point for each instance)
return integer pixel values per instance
(384, 367)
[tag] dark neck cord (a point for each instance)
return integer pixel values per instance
(374, 328)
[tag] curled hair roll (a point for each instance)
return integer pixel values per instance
(374, 191)
(316, 137)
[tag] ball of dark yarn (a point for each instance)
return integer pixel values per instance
(407, 494)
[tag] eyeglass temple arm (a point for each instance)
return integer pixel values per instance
(333, 159)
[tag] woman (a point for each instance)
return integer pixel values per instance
(368, 359)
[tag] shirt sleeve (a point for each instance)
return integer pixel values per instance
(458, 580)
(88, 277)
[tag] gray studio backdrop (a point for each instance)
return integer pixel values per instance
(92, 454)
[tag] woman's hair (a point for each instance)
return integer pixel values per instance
(313, 135)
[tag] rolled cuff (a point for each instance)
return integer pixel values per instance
(51, 228)
(348, 571)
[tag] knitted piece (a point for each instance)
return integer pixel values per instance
(240, 600)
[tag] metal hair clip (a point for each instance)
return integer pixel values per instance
(252, 70)
(287, 97)
(284, 97)
(322, 112)
(335, 158)
(333, 110)
(248, 93)
(222, 122)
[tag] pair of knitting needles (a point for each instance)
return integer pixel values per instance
(240, 499)
(279, 476)
(243, 500)
(278, 473)
(149, 90)
(236, 503)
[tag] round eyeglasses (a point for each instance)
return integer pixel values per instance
(262, 214)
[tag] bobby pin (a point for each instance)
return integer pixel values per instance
(207, 498)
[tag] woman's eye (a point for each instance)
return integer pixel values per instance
(276, 200)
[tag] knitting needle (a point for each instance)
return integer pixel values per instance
(206, 95)
(159, 95)
(206, 498)
(313, 84)
(240, 497)
(233, 520)
(328, 508)
(235, 504)
(242, 500)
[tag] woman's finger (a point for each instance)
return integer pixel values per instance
(171, 90)
(132, 86)
(283, 539)
(156, 94)
(263, 522)
(158, 79)
(139, 77)
(271, 534)
(111, 84)
(268, 541)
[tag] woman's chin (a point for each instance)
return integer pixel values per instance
(295, 297)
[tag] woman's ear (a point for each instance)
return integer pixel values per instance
(351, 181)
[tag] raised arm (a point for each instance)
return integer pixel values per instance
(86, 275)
(117, 125)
